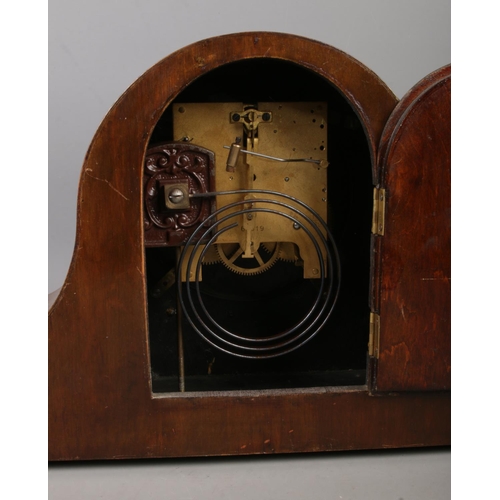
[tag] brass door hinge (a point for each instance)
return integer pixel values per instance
(374, 339)
(378, 220)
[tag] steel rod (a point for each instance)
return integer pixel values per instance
(275, 158)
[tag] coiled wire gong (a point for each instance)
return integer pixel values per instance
(283, 342)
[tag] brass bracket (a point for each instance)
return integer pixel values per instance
(251, 118)
(378, 220)
(165, 283)
(374, 339)
(176, 195)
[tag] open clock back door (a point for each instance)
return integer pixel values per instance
(411, 280)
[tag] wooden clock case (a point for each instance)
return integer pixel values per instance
(101, 399)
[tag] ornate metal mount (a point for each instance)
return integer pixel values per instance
(172, 172)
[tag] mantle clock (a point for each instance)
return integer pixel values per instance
(262, 261)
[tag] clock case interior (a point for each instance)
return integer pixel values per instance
(277, 298)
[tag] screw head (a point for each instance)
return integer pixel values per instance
(176, 196)
(296, 225)
(236, 117)
(266, 117)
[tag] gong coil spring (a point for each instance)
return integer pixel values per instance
(311, 323)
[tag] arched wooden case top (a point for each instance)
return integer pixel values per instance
(102, 397)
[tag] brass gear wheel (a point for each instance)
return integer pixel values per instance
(211, 256)
(288, 251)
(230, 253)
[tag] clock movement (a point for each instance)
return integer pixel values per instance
(262, 261)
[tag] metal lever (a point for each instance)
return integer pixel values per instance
(235, 150)
(233, 155)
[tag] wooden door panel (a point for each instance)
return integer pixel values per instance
(413, 269)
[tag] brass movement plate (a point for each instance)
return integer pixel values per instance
(297, 130)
